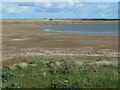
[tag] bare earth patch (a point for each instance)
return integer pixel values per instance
(31, 40)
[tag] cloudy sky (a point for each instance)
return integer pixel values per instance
(60, 10)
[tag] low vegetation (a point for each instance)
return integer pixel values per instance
(56, 21)
(62, 72)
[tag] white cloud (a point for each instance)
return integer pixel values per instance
(103, 6)
(62, 5)
(55, 4)
(44, 4)
(24, 8)
(71, 2)
(48, 4)
(13, 9)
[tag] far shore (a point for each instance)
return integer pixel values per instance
(57, 21)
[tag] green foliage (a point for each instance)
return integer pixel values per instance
(5, 68)
(64, 84)
(12, 85)
(33, 62)
(6, 76)
(61, 72)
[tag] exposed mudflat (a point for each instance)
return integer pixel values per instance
(31, 40)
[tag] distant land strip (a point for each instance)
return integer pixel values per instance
(57, 21)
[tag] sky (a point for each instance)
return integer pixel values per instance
(80, 10)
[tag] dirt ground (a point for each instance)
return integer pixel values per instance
(17, 37)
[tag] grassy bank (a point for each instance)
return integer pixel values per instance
(56, 21)
(62, 72)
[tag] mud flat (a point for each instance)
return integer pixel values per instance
(30, 39)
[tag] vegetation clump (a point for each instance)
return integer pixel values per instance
(64, 84)
(6, 76)
(64, 67)
(12, 85)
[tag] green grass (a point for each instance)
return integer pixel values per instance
(62, 72)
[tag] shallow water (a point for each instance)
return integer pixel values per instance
(104, 28)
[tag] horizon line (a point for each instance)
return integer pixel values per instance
(55, 18)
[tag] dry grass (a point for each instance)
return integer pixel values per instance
(15, 60)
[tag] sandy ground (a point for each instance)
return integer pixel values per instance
(30, 39)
